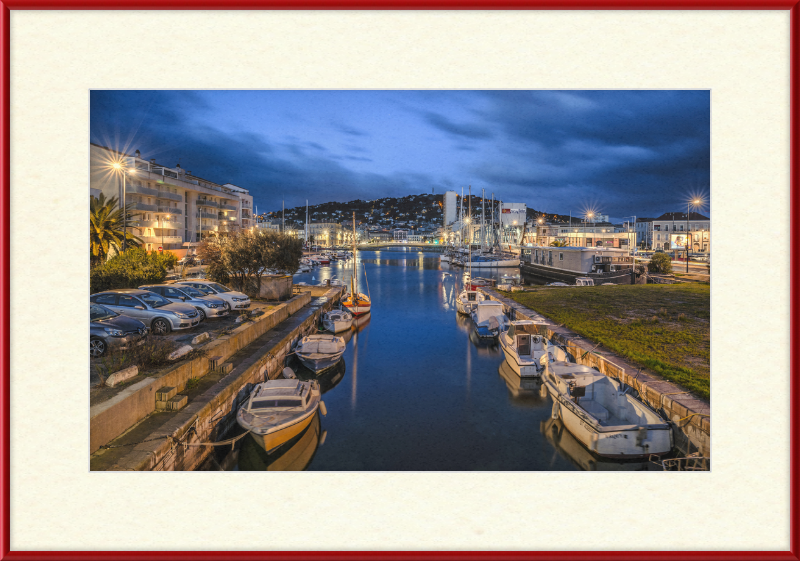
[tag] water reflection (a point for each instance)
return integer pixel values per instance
(328, 379)
(556, 433)
(294, 455)
(523, 391)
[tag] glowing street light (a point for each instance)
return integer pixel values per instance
(118, 167)
(693, 203)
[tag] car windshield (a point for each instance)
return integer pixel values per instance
(219, 287)
(204, 289)
(192, 291)
(98, 312)
(153, 300)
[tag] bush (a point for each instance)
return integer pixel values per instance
(131, 269)
(660, 263)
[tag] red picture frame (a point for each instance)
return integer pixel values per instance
(5, 514)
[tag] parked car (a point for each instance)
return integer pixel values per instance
(155, 311)
(236, 300)
(110, 330)
(206, 305)
(190, 260)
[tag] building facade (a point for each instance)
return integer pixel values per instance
(672, 230)
(593, 234)
(326, 234)
(173, 207)
(450, 208)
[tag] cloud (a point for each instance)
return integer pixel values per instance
(469, 130)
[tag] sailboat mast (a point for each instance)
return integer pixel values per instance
(306, 222)
(353, 278)
(470, 233)
(461, 218)
(483, 225)
(491, 227)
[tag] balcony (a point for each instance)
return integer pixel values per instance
(169, 225)
(141, 190)
(208, 215)
(227, 207)
(169, 196)
(142, 206)
(207, 203)
(169, 209)
(159, 240)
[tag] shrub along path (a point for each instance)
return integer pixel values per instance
(664, 328)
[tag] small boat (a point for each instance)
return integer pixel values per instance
(303, 269)
(467, 301)
(479, 282)
(320, 352)
(527, 350)
(357, 303)
(602, 415)
(279, 410)
(337, 320)
(584, 281)
(294, 455)
(556, 284)
(489, 318)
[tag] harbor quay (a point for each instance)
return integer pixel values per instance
(690, 416)
(129, 431)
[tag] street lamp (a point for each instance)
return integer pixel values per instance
(162, 232)
(694, 203)
(589, 216)
(122, 170)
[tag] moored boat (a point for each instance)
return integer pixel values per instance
(467, 300)
(320, 352)
(567, 264)
(357, 303)
(278, 410)
(489, 318)
(527, 350)
(336, 321)
(602, 415)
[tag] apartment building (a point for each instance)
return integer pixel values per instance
(326, 233)
(670, 230)
(592, 234)
(175, 208)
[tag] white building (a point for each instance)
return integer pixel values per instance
(670, 231)
(450, 210)
(512, 214)
(174, 207)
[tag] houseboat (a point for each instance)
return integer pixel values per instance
(567, 264)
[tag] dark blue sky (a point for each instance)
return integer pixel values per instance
(617, 152)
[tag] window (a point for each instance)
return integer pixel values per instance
(681, 227)
(99, 312)
(128, 301)
(108, 299)
(154, 300)
(560, 256)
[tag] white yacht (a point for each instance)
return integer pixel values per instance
(489, 318)
(527, 350)
(320, 352)
(602, 416)
(336, 321)
(279, 410)
(467, 300)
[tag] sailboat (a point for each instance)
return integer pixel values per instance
(357, 303)
(469, 297)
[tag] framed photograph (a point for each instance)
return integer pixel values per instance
(382, 244)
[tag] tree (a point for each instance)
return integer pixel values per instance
(660, 263)
(558, 243)
(133, 268)
(311, 239)
(107, 227)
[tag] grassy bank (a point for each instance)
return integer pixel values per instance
(664, 328)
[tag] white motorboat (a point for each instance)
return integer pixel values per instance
(527, 350)
(602, 416)
(279, 410)
(336, 321)
(467, 301)
(489, 318)
(584, 281)
(320, 352)
(303, 269)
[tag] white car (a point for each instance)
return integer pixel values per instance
(236, 300)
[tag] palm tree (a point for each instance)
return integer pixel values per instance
(106, 227)
(558, 243)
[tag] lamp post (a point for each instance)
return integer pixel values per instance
(118, 166)
(586, 218)
(691, 204)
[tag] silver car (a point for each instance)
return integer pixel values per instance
(236, 300)
(155, 311)
(207, 306)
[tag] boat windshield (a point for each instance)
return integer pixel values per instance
(268, 403)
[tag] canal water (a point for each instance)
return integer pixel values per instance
(417, 390)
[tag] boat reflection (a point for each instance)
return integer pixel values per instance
(523, 391)
(294, 455)
(359, 324)
(555, 433)
(328, 379)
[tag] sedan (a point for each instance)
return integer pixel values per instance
(153, 309)
(236, 300)
(207, 306)
(110, 330)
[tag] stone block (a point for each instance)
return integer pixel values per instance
(166, 393)
(161, 405)
(178, 353)
(121, 376)
(200, 338)
(226, 368)
(177, 402)
(213, 362)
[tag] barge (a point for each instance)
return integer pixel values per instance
(567, 264)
